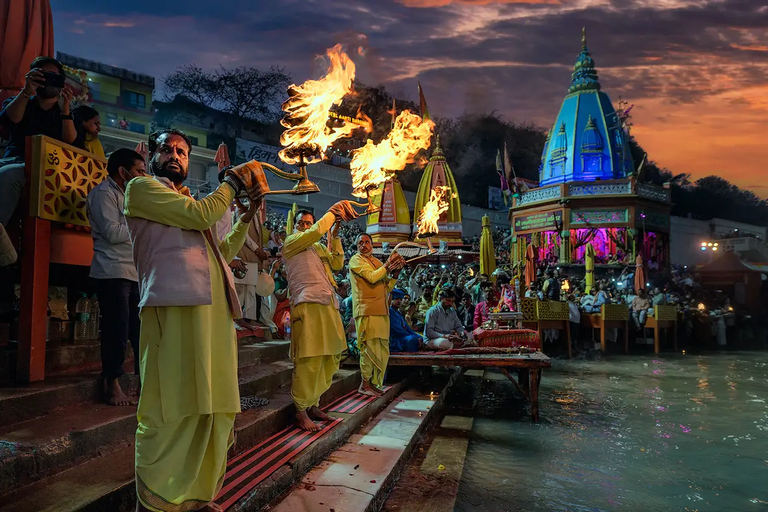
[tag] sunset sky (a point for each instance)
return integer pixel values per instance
(696, 70)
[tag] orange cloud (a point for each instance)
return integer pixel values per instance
(750, 47)
(709, 136)
(444, 3)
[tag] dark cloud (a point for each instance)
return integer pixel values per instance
(512, 57)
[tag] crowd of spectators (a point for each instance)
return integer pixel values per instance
(478, 294)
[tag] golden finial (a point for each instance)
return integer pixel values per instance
(583, 38)
(438, 149)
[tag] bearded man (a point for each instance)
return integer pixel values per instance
(371, 281)
(317, 334)
(188, 345)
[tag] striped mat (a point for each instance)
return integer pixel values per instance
(253, 466)
(352, 402)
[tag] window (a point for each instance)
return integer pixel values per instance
(193, 139)
(134, 99)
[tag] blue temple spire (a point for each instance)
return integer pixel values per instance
(584, 75)
(586, 142)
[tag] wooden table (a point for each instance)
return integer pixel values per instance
(528, 368)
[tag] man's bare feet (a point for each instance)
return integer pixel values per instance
(304, 423)
(115, 395)
(317, 414)
(367, 389)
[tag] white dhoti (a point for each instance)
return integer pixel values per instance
(268, 308)
(247, 295)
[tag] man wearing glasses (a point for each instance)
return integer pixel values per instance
(317, 334)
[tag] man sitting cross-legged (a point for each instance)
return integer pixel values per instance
(443, 329)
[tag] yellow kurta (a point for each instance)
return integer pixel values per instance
(93, 145)
(190, 393)
(368, 277)
(317, 333)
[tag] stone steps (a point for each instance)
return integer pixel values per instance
(21, 403)
(51, 426)
(36, 448)
(106, 482)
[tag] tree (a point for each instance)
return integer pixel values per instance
(244, 92)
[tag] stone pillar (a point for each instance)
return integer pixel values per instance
(565, 247)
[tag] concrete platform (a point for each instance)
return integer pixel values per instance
(359, 475)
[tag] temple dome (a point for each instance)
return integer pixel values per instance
(393, 222)
(587, 141)
(436, 174)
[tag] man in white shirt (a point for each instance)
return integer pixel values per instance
(114, 271)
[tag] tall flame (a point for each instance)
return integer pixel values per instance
(307, 135)
(373, 164)
(430, 214)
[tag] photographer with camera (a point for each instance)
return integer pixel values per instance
(42, 108)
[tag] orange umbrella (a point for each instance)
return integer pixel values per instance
(26, 32)
(639, 274)
(222, 156)
(530, 264)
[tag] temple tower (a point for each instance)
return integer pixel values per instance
(439, 174)
(587, 141)
(393, 222)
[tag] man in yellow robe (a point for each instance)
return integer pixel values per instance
(188, 346)
(371, 281)
(317, 334)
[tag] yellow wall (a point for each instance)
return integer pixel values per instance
(107, 84)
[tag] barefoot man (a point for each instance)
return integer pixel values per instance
(114, 272)
(317, 334)
(189, 395)
(371, 281)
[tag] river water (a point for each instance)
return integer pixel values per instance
(636, 433)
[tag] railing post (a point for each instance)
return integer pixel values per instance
(33, 317)
(35, 259)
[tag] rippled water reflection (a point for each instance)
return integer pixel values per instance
(626, 433)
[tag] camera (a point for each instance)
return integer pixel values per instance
(53, 79)
(273, 252)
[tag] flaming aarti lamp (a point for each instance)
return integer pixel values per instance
(303, 184)
(369, 206)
